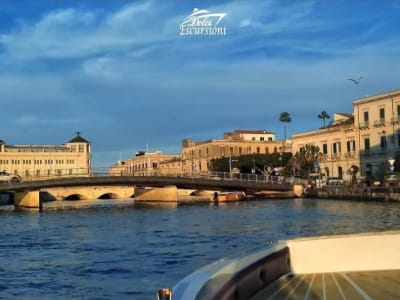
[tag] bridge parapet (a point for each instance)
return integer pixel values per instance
(242, 183)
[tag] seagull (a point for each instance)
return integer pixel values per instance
(356, 81)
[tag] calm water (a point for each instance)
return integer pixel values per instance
(113, 250)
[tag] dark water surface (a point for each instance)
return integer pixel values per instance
(110, 249)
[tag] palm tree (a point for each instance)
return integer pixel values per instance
(323, 115)
(285, 118)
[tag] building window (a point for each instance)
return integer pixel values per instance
(366, 144)
(240, 150)
(324, 148)
(366, 118)
(351, 146)
(258, 150)
(270, 139)
(398, 113)
(382, 115)
(262, 139)
(253, 138)
(336, 147)
(383, 142)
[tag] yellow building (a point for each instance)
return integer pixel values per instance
(196, 156)
(377, 119)
(42, 161)
(368, 138)
(149, 164)
(336, 142)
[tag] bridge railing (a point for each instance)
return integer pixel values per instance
(104, 171)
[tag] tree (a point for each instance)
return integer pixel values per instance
(303, 162)
(354, 170)
(285, 118)
(324, 115)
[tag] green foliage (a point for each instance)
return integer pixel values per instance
(323, 115)
(355, 169)
(245, 163)
(303, 161)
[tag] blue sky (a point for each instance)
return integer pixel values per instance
(120, 73)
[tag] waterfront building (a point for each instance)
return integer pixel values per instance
(45, 161)
(377, 121)
(196, 156)
(149, 164)
(337, 143)
(368, 138)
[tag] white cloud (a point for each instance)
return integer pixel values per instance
(110, 72)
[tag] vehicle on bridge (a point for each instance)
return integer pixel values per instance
(6, 177)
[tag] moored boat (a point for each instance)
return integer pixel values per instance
(230, 196)
(355, 266)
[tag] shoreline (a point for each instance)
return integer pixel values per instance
(382, 194)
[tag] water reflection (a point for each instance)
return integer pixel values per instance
(84, 204)
(113, 249)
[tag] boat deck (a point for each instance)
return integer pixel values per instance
(342, 285)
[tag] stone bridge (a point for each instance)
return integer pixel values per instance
(32, 193)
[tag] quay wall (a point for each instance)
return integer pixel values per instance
(358, 193)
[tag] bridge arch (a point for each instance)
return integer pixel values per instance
(109, 196)
(75, 197)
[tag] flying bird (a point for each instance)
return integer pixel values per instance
(356, 81)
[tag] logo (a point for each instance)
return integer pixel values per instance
(203, 22)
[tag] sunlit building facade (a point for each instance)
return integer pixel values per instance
(337, 143)
(46, 161)
(367, 138)
(196, 156)
(148, 164)
(377, 121)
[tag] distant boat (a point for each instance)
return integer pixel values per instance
(356, 266)
(229, 196)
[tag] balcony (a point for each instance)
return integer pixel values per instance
(396, 120)
(370, 152)
(350, 154)
(379, 123)
(364, 125)
(336, 156)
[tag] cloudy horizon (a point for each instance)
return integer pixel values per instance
(120, 73)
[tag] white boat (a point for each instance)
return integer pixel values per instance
(355, 266)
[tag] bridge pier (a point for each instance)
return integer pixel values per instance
(167, 194)
(29, 199)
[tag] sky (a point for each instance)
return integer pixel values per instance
(121, 73)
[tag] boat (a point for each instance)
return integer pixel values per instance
(229, 196)
(352, 266)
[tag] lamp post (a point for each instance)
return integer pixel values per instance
(230, 164)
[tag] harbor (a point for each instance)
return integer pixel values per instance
(97, 248)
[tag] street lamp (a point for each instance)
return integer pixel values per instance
(230, 164)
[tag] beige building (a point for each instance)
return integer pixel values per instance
(337, 143)
(367, 138)
(196, 156)
(149, 164)
(377, 119)
(41, 161)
